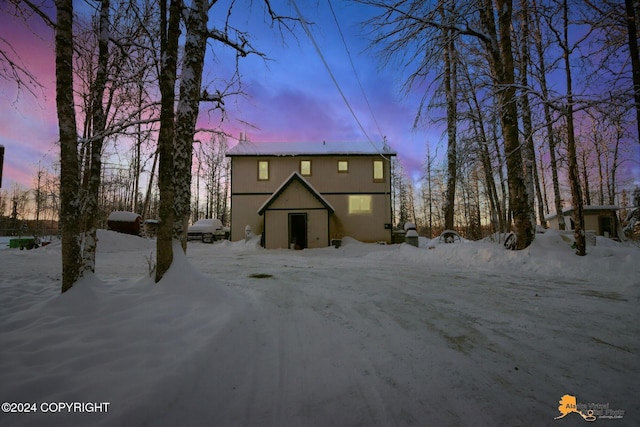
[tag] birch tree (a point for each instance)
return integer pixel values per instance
(196, 17)
(169, 33)
(177, 129)
(69, 164)
(98, 124)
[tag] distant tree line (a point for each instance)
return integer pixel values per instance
(540, 102)
(523, 137)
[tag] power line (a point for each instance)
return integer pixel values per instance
(353, 67)
(333, 78)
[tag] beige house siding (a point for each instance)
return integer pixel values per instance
(324, 178)
(277, 222)
(249, 195)
(247, 215)
(362, 227)
(295, 196)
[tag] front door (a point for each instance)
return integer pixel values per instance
(606, 226)
(298, 230)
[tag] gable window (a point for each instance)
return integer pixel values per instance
(305, 167)
(263, 170)
(378, 171)
(343, 166)
(359, 204)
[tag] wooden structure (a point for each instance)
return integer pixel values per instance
(124, 222)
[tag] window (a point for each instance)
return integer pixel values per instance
(263, 170)
(360, 204)
(343, 166)
(378, 171)
(305, 167)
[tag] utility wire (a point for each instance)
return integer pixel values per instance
(353, 67)
(335, 81)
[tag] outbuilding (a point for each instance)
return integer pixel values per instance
(602, 219)
(124, 222)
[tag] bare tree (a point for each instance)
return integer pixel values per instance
(98, 124)
(548, 120)
(169, 33)
(69, 164)
(412, 21)
(632, 16)
(562, 37)
(528, 147)
(618, 50)
(187, 113)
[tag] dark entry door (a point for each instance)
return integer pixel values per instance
(298, 230)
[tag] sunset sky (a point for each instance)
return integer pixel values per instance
(290, 97)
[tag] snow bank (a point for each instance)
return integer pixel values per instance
(550, 256)
(114, 242)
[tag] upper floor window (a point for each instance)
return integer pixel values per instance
(305, 167)
(343, 166)
(378, 171)
(263, 170)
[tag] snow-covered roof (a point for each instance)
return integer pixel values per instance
(248, 148)
(569, 210)
(295, 176)
(122, 216)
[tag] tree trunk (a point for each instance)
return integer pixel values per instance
(98, 122)
(585, 174)
(574, 175)
(614, 162)
(501, 57)
(485, 159)
(551, 134)
(69, 164)
(503, 219)
(450, 84)
(528, 149)
(632, 28)
(187, 114)
(169, 50)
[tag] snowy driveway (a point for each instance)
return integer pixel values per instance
(369, 337)
(361, 335)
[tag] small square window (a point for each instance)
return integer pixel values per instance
(305, 167)
(343, 166)
(263, 170)
(378, 171)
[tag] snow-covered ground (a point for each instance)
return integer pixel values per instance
(363, 335)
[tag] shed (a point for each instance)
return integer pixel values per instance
(600, 218)
(124, 222)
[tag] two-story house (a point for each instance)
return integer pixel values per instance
(304, 195)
